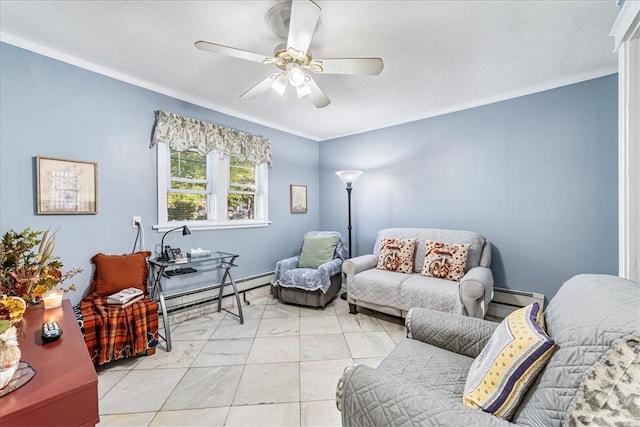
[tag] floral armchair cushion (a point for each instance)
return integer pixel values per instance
(288, 274)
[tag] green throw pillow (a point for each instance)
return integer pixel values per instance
(316, 250)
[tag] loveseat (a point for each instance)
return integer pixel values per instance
(591, 378)
(394, 292)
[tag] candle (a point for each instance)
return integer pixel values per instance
(52, 298)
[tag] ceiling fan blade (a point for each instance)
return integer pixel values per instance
(302, 24)
(232, 51)
(317, 96)
(261, 87)
(366, 66)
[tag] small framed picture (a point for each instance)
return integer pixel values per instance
(298, 198)
(66, 187)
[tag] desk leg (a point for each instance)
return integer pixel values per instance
(157, 293)
(227, 273)
(165, 321)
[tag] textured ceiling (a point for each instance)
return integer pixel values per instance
(439, 56)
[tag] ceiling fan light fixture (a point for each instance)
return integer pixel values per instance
(303, 90)
(296, 76)
(279, 85)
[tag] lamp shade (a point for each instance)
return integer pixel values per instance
(349, 177)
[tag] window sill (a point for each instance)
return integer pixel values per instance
(206, 225)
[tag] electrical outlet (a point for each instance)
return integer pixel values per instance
(136, 220)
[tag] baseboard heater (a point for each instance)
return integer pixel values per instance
(506, 301)
(205, 295)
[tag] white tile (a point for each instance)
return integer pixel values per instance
(183, 353)
(318, 380)
(209, 417)
(340, 306)
(275, 349)
(283, 326)
(224, 352)
(280, 310)
(369, 344)
(392, 324)
(231, 328)
(323, 347)
(396, 336)
(269, 383)
(208, 387)
(321, 413)
(253, 311)
(317, 311)
(126, 420)
(319, 325)
(141, 391)
(107, 380)
(199, 328)
(274, 415)
(359, 323)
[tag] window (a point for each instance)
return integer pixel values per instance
(208, 192)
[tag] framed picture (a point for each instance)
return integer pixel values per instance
(65, 187)
(298, 198)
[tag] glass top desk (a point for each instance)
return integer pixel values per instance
(163, 271)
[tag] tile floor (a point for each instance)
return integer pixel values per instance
(280, 368)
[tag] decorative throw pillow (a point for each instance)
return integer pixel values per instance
(316, 250)
(609, 392)
(396, 254)
(445, 260)
(117, 272)
(512, 359)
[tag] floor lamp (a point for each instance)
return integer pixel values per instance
(348, 177)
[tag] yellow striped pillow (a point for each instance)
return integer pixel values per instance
(509, 363)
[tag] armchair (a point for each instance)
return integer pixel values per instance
(313, 287)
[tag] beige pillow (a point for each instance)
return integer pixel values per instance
(445, 260)
(396, 255)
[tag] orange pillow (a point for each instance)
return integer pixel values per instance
(117, 272)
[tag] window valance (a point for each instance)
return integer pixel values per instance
(182, 133)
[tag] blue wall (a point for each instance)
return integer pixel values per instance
(536, 175)
(53, 109)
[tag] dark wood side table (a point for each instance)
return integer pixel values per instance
(64, 391)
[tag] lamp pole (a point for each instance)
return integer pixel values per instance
(349, 188)
(349, 177)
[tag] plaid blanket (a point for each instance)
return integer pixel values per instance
(113, 332)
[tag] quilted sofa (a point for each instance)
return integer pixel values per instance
(592, 378)
(395, 293)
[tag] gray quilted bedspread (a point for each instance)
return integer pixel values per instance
(375, 398)
(421, 382)
(404, 291)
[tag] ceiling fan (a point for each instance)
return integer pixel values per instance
(294, 60)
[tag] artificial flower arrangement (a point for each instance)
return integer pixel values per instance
(27, 272)
(11, 311)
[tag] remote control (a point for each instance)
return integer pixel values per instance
(50, 331)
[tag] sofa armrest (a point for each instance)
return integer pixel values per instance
(284, 265)
(476, 291)
(453, 332)
(331, 267)
(369, 397)
(355, 265)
